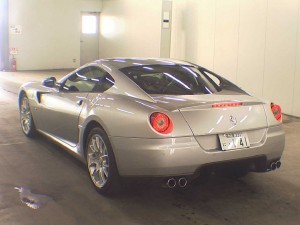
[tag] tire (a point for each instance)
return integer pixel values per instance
(101, 163)
(233, 171)
(26, 119)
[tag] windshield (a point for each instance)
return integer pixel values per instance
(176, 79)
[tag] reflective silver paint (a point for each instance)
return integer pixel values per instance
(123, 112)
(184, 155)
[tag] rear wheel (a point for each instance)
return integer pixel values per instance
(101, 163)
(26, 119)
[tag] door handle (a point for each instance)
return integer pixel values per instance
(79, 102)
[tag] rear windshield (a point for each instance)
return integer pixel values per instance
(177, 80)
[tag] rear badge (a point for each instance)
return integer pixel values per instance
(233, 120)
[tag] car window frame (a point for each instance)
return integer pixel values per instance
(205, 79)
(62, 83)
(183, 83)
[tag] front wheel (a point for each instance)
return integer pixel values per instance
(101, 163)
(26, 119)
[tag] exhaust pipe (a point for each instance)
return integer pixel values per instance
(278, 164)
(275, 165)
(171, 183)
(182, 182)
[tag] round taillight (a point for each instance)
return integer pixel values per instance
(276, 110)
(161, 123)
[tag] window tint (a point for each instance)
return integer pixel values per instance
(103, 79)
(178, 80)
(89, 79)
(223, 84)
(172, 80)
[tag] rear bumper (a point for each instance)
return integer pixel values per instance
(184, 156)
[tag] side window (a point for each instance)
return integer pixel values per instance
(104, 80)
(79, 82)
(89, 79)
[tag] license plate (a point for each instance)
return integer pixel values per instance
(232, 141)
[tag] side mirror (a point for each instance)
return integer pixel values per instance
(49, 82)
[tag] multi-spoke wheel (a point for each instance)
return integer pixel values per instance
(101, 162)
(26, 120)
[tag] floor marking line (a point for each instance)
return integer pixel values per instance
(16, 143)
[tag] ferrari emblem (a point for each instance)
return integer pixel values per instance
(233, 120)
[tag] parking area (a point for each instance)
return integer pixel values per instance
(40, 183)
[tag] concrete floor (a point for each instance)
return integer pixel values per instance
(38, 174)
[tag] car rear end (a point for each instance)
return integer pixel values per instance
(204, 121)
(236, 129)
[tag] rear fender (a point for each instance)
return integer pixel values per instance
(123, 116)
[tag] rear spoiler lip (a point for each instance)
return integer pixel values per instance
(200, 106)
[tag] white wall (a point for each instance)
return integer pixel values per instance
(130, 28)
(253, 43)
(50, 36)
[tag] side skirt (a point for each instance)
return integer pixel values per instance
(73, 148)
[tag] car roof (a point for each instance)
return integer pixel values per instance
(119, 63)
(123, 84)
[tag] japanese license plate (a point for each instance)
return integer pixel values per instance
(232, 141)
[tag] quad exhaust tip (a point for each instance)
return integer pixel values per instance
(275, 165)
(172, 182)
(278, 164)
(182, 182)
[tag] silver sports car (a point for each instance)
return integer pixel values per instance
(154, 117)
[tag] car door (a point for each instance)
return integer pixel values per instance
(60, 110)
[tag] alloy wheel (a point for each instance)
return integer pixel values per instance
(98, 160)
(26, 118)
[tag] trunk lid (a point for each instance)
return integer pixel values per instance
(204, 119)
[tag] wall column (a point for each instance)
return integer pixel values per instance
(165, 42)
(4, 50)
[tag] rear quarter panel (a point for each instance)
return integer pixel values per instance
(270, 117)
(124, 116)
